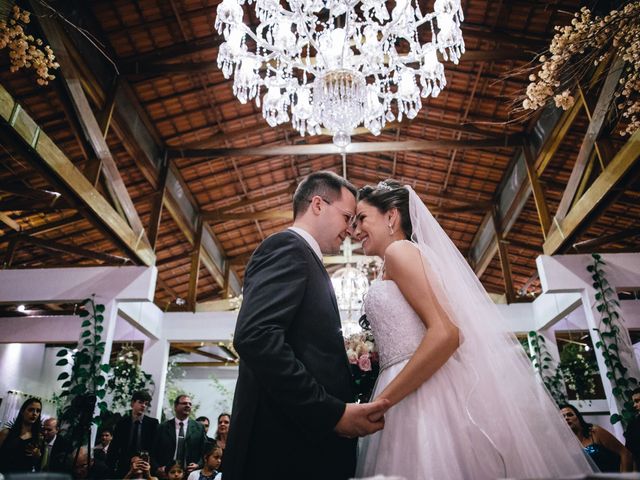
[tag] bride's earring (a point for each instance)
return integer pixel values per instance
(390, 230)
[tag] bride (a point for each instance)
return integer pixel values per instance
(465, 403)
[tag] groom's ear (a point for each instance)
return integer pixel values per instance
(316, 205)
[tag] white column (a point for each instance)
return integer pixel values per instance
(155, 359)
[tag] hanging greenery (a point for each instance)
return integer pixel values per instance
(607, 304)
(578, 370)
(126, 378)
(550, 374)
(86, 384)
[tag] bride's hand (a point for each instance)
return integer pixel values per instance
(360, 419)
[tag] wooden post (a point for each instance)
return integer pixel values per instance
(538, 192)
(195, 267)
(504, 259)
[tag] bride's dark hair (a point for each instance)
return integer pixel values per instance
(386, 195)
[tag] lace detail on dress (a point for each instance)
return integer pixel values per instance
(396, 327)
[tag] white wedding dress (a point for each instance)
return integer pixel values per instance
(446, 429)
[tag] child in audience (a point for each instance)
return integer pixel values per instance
(175, 472)
(212, 461)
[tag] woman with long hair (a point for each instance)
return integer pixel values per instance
(20, 444)
(465, 402)
(604, 449)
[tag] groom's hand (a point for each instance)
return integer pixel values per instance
(360, 419)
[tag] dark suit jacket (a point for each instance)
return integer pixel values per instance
(120, 450)
(294, 378)
(58, 456)
(165, 445)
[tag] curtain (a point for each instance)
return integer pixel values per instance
(12, 402)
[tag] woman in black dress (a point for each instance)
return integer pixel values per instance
(20, 444)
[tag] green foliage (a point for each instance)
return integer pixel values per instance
(224, 403)
(543, 363)
(172, 390)
(126, 378)
(578, 369)
(607, 304)
(87, 381)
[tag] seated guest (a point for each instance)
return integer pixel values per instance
(632, 434)
(100, 467)
(224, 420)
(603, 448)
(204, 421)
(132, 434)
(211, 468)
(20, 444)
(55, 448)
(179, 440)
(140, 468)
(79, 463)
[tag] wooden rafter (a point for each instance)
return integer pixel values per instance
(20, 128)
(359, 147)
(70, 78)
(595, 197)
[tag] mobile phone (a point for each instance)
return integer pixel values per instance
(144, 456)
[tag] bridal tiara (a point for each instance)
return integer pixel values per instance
(384, 186)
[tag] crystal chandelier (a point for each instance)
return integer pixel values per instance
(338, 64)
(350, 285)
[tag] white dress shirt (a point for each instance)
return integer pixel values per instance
(185, 424)
(309, 239)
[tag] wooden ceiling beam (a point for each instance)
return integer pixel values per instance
(133, 126)
(70, 78)
(44, 228)
(21, 129)
(240, 216)
(599, 194)
(603, 106)
(508, 141)
(147, 67)
(594, 244)
(49, 244)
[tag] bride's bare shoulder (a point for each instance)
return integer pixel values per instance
(401, 253)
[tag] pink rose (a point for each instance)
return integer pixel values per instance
(353, 357)
(364, 362)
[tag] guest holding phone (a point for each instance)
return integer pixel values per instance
(20, 445)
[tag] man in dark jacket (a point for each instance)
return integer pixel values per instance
(293, 415)
(180, 440)
(55, 448)
(133, 434)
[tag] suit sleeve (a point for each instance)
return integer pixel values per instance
(274, 288)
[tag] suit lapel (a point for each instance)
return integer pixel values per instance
(332, 294)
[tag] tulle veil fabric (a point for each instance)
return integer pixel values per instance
(503, 407)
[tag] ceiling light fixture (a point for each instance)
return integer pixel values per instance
(338, 64)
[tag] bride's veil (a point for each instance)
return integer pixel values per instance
(506, 405)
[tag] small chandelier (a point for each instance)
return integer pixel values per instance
(350, 285)
(338, 64)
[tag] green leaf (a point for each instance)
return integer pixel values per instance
(616, 391)
(99, 329)
(99, 308)
(600, 307)
(100, 381)
(599, 344)
(62, 362)
(62, 353)
(85, 334)
(597, 256)
(532, 333)
(99, 318)
(63, 375)
(83, 313)
(105, 367)
(615, 418)
(66, 384)
(101, 393)
(86, 323)
(598, 296)
(590, 268)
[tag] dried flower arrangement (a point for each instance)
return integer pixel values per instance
(587, 42)
(25, 51)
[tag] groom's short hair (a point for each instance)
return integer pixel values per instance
(324, 183)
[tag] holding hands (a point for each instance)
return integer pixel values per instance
(361, 419)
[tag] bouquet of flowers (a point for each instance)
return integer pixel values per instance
(364, 363)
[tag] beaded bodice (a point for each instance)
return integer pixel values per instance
(397, 328)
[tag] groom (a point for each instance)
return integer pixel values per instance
(292, 416)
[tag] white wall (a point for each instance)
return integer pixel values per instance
(198, 382)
